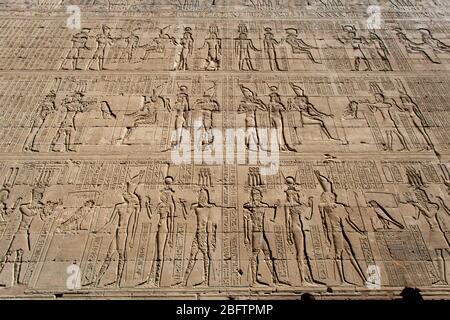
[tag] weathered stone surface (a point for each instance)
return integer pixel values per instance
(119, 178)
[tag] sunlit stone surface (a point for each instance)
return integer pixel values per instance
(244, 148)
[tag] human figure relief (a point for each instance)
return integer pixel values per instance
(299, 46)
(6, 215)
(132, 44)
(309, 114)
(416, 116)
(382, 108)
(5, 211)
(276, 109)
(158, 44)
(104, 42)
(208, 105)
(270, 44)
(120, 220)
(205, 240)
(428, 48)
(382, 51)
(296, 212)
(73, 105)
(123, 221)
(173, 206)
(436, 215)
(21, 242)
(187, 46)
(46, 107)
(255, 235)
(165, 212)
(428, 38)
(147, 114)
(182, 108)
(214, 46)
(242, 47)
(79, 41)
(338, 224)
(248, 105)
(359, 45)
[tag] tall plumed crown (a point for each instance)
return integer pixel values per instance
(325, 183)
